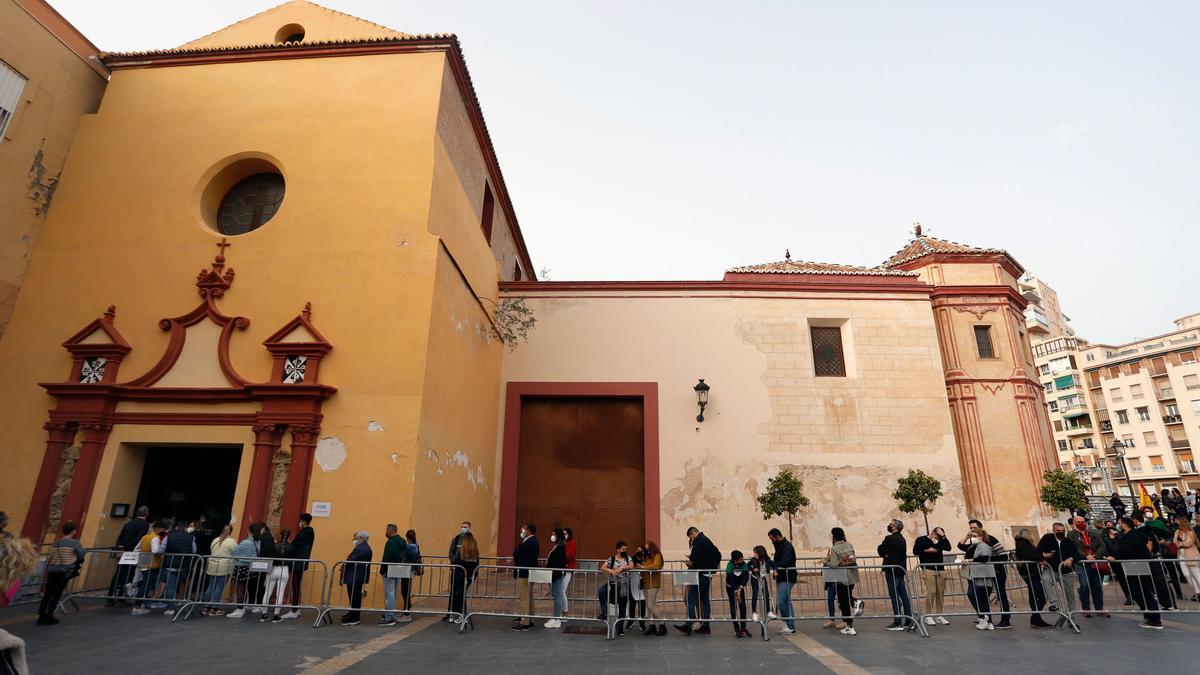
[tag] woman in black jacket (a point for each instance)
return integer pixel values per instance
(1028, 559)
(557, 561)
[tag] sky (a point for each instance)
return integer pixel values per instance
(673, 140)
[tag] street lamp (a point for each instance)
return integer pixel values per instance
(701, 390)
(1118, 451)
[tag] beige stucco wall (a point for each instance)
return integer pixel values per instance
(849, 438)
(61, 87)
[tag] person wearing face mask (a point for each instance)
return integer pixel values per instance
(1059, 557)
(705, 557)
(219, 567)
(302, 546)
(1091, 547)
(1133, 545)
(356, 573)
(455, 556)
(557, 561)
(1117, 504)
(999, 557)
(894, 551)
(977, 559)
(1029, 567)
(761, 569)
(395, 550)
(930, 550)
(524, 557)
(616, 585)
(737, 577)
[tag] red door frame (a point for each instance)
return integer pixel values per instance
(510, 459)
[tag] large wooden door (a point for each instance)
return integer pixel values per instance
(582, 465)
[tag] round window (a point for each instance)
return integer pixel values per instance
(293, 32)
(250, 203)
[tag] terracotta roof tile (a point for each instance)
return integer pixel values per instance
(790, 266)
(922, 245)
(308, 44)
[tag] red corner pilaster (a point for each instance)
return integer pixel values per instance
(304, 442)
(61, 436)
(83, 479)
(258, 491)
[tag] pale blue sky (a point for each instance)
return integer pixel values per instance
(672, 140)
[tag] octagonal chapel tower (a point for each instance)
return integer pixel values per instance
(1000, 425)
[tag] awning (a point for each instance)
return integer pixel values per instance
(1064, 382)
(1077, 413)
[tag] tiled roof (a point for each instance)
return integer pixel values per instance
(790, 266)
(923, 245)
(299, 46)
(370, 24)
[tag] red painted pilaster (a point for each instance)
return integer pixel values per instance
(61, 436)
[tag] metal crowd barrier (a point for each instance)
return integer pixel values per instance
(495, 591)
(814, 594)
(417, 588)
(268, 587)
(147, 581)
(1002, 589)
(1152, 585)
(686, 595)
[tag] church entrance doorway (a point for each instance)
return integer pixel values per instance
(582, 465)
(186, 482)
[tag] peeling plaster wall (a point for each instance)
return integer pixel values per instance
(848, 438)
(61, 88)
(454, 475)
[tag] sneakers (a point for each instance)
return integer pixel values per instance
(942, 620)
(294, 614)
(984, 624)
(256, 610)
(455, 619)
(384, 623)
(522, 627)
(786, 631)
(128, 590)
(349, 622)
(555, 623)
(771, 615)
(685, 628)
(849, 630)
(929, 621)
(236, 614)
(278, 618)
(157, 605)
(754, 617)
(140, 610)
(1005, 623)
(859, 605)
(895, 626)
(1151, 626)
(404, 618)
(169, 612)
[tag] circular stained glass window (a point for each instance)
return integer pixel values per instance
(250, 203)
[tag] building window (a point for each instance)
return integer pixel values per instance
(1115, 395)
(1172, 409)
(1122, 417)
(983, 342)
(1135, 367)
(1149, 438)
(1062, 446)
(12, 84)
(251, 202)
(1091, 357)
(1135, 465)
(1129, 442)
(1187, 357)
(828, 358)
(1048, 386)
(1087, 443)
(1058, 426)
(1157, 464)
(1114, 372)
(489, 210)
(1143, 414)
(1053, 405)
(1196, 407)
(1135, 391)
(1191, 381)
(1045, 369)
(1094, 378)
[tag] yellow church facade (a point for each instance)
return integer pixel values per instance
(269, 285)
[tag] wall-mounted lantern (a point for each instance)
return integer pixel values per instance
(701, 398)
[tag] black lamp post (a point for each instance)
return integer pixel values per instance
(701, 390)
(1118, 450)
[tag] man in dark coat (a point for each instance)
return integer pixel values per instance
(356, 573)
(525, 556)
(1132, 545)
(703, 556)
(894, 551)
(302, 546)
(785, 576)
(128, 540)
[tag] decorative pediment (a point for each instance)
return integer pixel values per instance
(298, 348)
(97, 350)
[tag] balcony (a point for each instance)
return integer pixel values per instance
(1160, 468)
(1176, 444)
(1079, 430)
(1106, 425)
(1187, 466)
(1173, 419)
(1036, 323)
(1166, 394)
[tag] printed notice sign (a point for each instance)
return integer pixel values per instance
(321, 509)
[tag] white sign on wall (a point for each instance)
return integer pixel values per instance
(321, 509)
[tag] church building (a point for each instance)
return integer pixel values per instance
(274, 280)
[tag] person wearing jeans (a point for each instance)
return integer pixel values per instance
(651, 583)
(785, 576)
(1092, 547)
(1059, 556)
(705, 558)
(395, 551)
(557, 561)
(761, 568)
(894, 551)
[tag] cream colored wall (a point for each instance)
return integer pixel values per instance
(849, 438)
(61, 87)
(319, 24)
(966, 274)
(351, 237)
(455, 450)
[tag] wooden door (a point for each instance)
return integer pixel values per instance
(581, 465)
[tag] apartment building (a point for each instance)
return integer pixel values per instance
(1147, 395)
(1044, 318)
(1073, 413)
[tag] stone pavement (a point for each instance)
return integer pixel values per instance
(100, 640)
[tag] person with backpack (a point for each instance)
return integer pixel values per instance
(413, 553)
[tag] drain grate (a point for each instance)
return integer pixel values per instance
(584, 630)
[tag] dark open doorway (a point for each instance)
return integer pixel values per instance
(186, 482)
